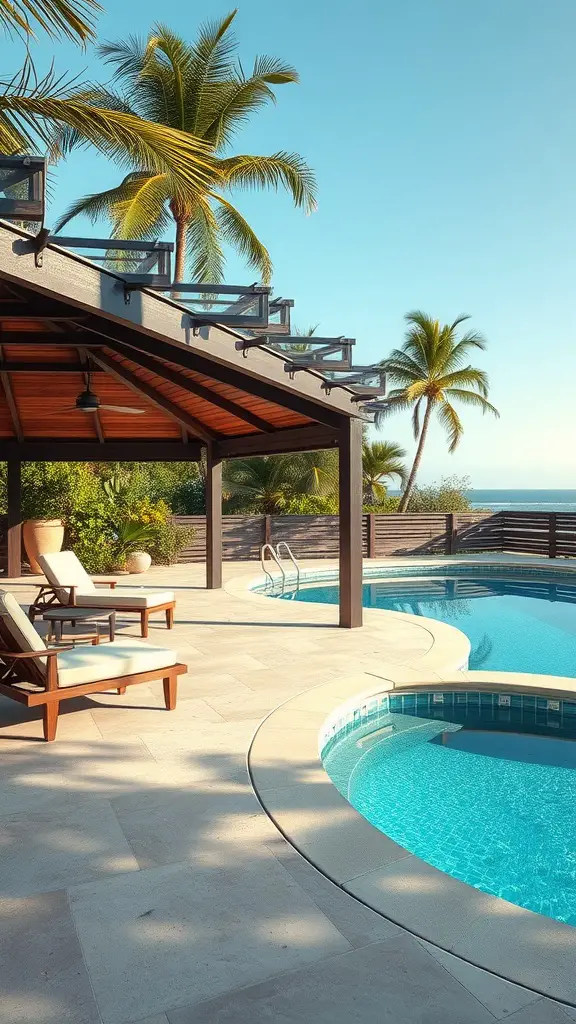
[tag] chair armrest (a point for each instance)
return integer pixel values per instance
(49, 652)
(106, 583)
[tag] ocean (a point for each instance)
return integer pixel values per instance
(528, 500)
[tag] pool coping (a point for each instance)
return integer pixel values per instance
(296, 793)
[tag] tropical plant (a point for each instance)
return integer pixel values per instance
(198, 89)
(258, 484)
(73, 19)
(430, 372)
(380, 461)
(130, 536)
(266, 484)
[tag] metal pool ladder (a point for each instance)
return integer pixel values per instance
(276, 556)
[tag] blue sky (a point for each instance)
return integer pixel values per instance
(443, 135)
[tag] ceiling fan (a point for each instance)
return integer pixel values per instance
(88, 401)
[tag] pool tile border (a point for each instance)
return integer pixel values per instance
(516, 944)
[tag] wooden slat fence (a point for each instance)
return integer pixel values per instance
(539, 533)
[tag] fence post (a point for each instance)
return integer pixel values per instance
(451, 534)
(552, 535)
(371, 536)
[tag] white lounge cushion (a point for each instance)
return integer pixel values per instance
(62, 569)
(23, 633)
(126, 657)
(124, 597)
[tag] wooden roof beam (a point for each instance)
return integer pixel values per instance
(192, 386)
(293, 439)
(11, 402)
(57, 338)
(127, 450)
(192, 360)
(183, 418)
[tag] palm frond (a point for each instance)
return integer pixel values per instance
(451, 422)
(203, 250)
(69, 19)
(238, 233)
(287, 169)
(471, 398)
(468, 376)
(212, 63)
(120, 136)
(232, 102)
(136, 208)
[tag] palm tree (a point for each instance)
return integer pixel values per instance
(259, 484)
(380, 460)
(431, 371)
(201, 90)
(73, 19)
(266, 483)
(30, 108)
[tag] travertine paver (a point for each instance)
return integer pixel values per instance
(180, 889)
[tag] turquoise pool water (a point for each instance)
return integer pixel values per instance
(483, 792)
(513, 623)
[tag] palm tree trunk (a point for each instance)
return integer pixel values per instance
(417, 459)
(180, 254)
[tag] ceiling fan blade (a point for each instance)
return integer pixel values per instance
(123, 409)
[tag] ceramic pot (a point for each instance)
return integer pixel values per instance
(138, 561)
(42, 537)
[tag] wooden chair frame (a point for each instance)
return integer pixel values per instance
(22, 667)
(47, 595)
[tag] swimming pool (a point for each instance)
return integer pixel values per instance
(480, 785)
(516, 620)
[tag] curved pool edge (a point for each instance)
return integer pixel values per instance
(441, 647)
(296, 793)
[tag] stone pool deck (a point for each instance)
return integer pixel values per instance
(141, 880)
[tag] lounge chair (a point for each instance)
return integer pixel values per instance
(34, 674)
(70, 584)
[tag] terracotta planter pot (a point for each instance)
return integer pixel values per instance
(42, 537)
(138, 561)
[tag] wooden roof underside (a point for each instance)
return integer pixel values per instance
(189, 398)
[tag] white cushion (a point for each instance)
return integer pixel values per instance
(23, 633)
(124, 597)
(126, 657)
(62, 569)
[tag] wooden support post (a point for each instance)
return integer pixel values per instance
(350, 494)
(14, 537)
(267, 533)
(451, 534)
(371, 535)
(213, 518)
(552, 523)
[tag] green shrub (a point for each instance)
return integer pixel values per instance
(169, 540)
(189, 499)
(309, 505)
(450, 495)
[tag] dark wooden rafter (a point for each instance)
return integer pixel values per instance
(34, 366)
(40, 338)
(293, 439)
(96, 416)
(192, 386)
(191, 360)
(67, 450)
(144, 390)
(10, 400)
(40, 310)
